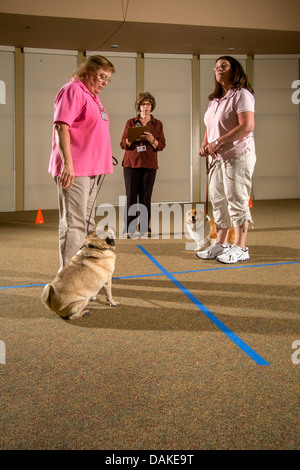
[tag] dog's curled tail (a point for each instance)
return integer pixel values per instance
(46, 295)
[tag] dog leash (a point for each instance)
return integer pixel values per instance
(208, 168)
(115, 163)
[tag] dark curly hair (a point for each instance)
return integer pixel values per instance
(238, 77)
(145, 96)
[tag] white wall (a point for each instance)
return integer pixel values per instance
(168, 78)
(7, 115)
(44, 73)
(276, 129)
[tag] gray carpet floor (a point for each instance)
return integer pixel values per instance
(198, 356)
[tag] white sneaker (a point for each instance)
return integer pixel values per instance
(233, 255)
(213, 251)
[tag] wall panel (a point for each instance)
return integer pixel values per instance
(168, 78)
(45, 72)
(277, 129)
(7, 114)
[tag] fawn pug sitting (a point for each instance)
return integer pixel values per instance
(87, 272)
(202, 229)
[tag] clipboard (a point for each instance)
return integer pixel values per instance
(133, 133)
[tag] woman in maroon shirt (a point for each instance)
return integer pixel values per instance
(140, 164)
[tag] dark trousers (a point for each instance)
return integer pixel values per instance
(139, 184)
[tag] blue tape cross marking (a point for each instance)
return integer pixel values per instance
(243, 346)
(220, 268)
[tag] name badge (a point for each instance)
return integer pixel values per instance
(103, 113)
(141, 148)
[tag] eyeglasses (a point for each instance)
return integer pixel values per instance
(103, 78)
(222, 66)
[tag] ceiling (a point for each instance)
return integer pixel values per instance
(91, 35)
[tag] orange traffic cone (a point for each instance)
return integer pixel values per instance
(250, 202)
(39, 218)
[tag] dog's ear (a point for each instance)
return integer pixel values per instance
(102, 232)
(199, 212)
(112, 231)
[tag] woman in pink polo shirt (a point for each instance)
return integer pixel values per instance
(229, 144)
(81, 151)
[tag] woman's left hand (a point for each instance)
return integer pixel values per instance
(148, 136)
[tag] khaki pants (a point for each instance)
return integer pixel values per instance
(229, 187)
(76, 215)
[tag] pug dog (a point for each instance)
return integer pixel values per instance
(202, 229)
(90, 270)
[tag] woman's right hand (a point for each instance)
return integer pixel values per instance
(63, 141)
(67, 176)
(203, 151)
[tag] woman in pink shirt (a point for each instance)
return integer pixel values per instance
(229, 145)
(81, 151)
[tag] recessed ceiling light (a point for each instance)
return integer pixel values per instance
(231, 48)
(114, 46)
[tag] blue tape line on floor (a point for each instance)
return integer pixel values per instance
(219, 268)
(241, 344)
(16, 287)
(177, 272)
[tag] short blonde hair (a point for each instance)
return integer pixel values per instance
(145, 96)
(91, 67)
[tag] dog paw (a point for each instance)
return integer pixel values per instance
(92, 299)
(113, 303)
(87, 313)
(75, 316)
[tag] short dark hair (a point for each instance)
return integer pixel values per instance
(239, 78)
(145, 96)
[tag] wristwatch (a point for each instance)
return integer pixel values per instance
(218, 143)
